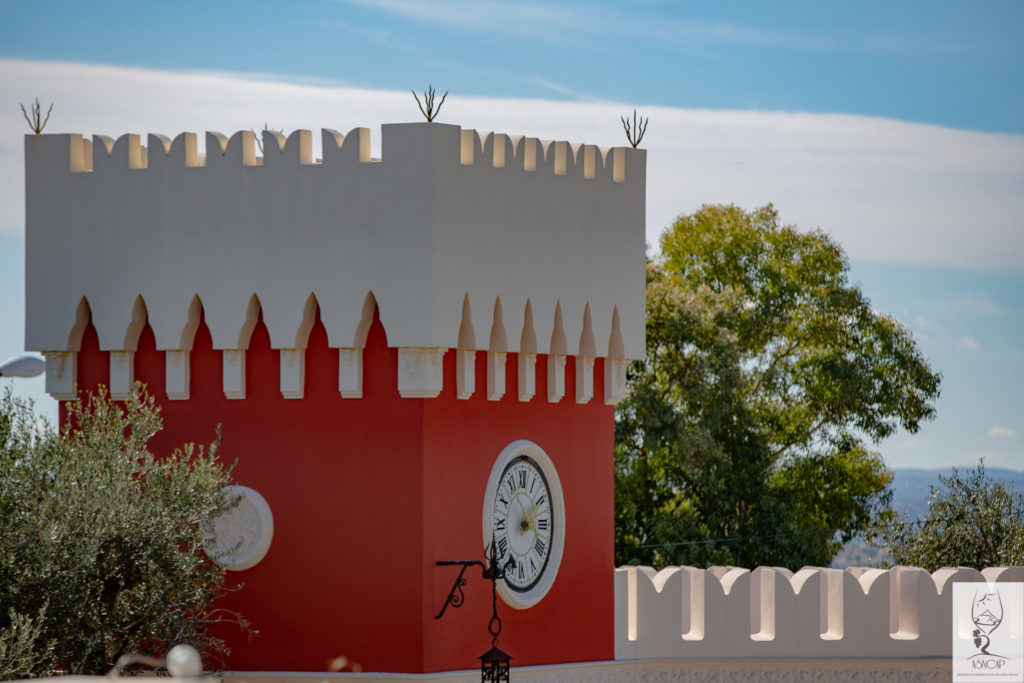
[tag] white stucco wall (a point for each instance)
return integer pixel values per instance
(443, 215)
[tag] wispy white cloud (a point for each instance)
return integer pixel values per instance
(563, 90)
(968, 344)
(539, 21)
(888, 191)
(550, 21)
(1003, 433)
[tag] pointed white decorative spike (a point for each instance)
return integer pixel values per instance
(527, 376)
(60, 374)
(495, 375)
(234, 373)
(350, 372)
(584, 379)
(465, 373)
(177, 375)
(293, 372)
(420, 371)
(556, 378)
(122, 374)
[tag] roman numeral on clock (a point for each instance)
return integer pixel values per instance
(540, 547)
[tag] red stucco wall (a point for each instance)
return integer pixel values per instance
(368, 493)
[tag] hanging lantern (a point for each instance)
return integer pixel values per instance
(494, 665)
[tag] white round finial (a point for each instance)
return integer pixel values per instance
(183, 661)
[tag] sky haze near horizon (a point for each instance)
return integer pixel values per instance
(892, 128)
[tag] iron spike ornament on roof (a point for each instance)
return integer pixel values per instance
(636, 134)
(428, 102)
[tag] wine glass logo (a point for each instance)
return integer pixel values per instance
(987, 614)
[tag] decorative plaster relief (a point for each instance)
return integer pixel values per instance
(646, 671)
(293, 372)
(527, 376)
(495, 375)
(234, 373)
(60, 374)
(744, 672)
(241, 538)
(420, 371)
(177, 375)
(556, 378)
(350, 372)
(122, 374)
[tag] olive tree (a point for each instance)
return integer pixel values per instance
(972, 521)
(101, 541)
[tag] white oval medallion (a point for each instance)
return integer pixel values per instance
(241, 538)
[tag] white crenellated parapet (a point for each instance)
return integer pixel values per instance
(773, 613)
(465, 241)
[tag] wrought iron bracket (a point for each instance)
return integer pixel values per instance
(455, 596)
(492, 571)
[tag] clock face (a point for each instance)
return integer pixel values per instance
(523, 522)
(524, 515)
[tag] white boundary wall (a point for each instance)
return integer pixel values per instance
(773, 614)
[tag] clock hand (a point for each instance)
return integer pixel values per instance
(528, 515)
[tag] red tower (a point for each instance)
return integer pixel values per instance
(409, 357)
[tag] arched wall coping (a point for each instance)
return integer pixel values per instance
(773, 613)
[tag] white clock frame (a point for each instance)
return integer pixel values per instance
(528, 598)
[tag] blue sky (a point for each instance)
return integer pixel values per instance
(896, 127)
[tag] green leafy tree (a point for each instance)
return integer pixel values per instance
(742, 437)
(972, 521)
(100, 541)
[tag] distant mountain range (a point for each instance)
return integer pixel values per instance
(911, 489)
